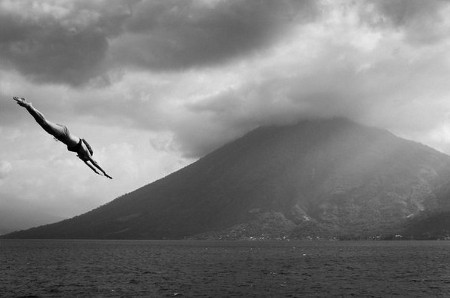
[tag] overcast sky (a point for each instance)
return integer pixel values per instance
(153, 85)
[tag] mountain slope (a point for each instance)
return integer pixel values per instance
(322, 178)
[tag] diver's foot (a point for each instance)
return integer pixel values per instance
(22, 101)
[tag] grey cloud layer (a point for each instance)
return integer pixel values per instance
(392, 62)
(181, 34)
(93, 37)
(90, 38)
(64, 45)
(422, 22)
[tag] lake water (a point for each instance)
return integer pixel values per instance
(56, 268)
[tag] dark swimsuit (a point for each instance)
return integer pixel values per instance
(75, 148)
(63, 135)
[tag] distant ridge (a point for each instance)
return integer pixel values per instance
(315, 179)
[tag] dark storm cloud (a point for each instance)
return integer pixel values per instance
(58, 55)
(173, 34)
(69, 42)
(58, 44)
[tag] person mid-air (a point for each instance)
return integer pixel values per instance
(62, 134)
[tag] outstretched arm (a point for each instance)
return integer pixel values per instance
(89, 165)
(98, 166)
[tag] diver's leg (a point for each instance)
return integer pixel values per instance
(50, 127)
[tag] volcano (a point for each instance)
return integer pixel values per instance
(327, 179)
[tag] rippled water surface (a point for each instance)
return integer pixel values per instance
(55, 268)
